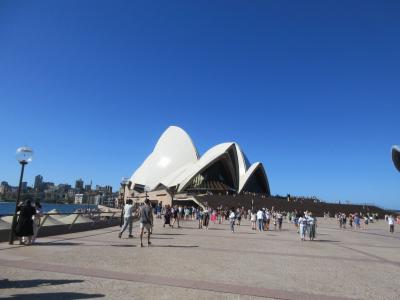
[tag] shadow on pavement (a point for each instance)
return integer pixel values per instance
(169, 234)
(56, 296)
(174, 246)
(12, 284)
(57, 244)
(127, 246)
(326, 241)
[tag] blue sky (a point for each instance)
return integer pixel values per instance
(310, 88)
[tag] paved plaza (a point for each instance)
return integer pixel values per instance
(189, 263)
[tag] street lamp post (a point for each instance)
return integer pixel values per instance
(124, 183)
(146, 190)
(24, 156)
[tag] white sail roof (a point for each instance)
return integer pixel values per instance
(175, 162)
(249, 173)
(173, 151)
(207, 159)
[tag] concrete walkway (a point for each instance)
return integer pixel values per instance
(189, 263)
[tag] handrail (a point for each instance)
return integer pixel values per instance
(111, 216)
(73, 213)
(94, 219)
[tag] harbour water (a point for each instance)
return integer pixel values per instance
(9, 207)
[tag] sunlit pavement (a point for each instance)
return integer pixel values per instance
(188, 263)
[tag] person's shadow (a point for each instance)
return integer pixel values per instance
(15, 284)
(55, 296)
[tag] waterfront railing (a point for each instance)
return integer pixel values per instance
(59, 223)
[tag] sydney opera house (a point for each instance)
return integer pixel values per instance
(176, 167)
(175, 173)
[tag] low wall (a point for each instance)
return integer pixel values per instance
(65, 228)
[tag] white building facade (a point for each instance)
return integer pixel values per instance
(176, 165)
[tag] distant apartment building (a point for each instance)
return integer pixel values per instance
(105, 189)
(4, 187)
(24, 186)
(79, 185)
(48, 185)
(71, 193)
(78, 198)
(38, 186)
(63, 187)
(97, 199)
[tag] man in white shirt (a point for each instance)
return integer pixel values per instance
(232, 217)
(302, 227)
(391, 223)
(279, 218)
(311, 225)
(128, 218)
(260, 220)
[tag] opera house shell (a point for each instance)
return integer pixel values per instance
(176, 164)
(396, 157)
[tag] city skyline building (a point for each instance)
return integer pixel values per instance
(79, 184)
(38, 183)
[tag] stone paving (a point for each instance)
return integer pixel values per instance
(189, 263)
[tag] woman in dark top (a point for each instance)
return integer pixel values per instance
(167, 216)
(24, 226)
(206, 218)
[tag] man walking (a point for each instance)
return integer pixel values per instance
(146, 221)
(128, 218)
(232, 217)
(260, 219)
(391, 224)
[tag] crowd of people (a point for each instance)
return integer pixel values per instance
(29, 218)
(262, 219)
(358, 221)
